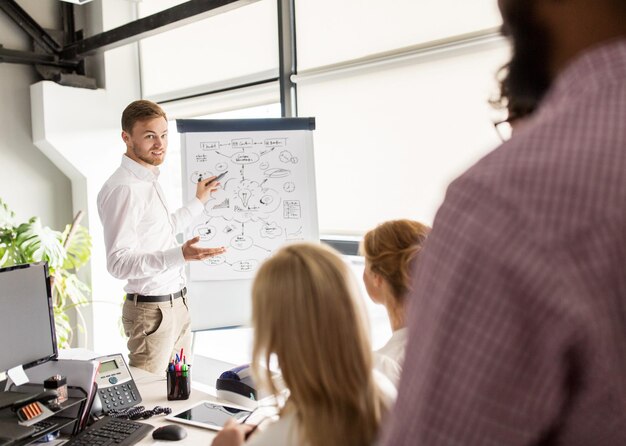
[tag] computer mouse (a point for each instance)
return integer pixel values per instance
(171, 432)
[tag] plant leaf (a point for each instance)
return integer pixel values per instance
(30, 242)
(39, 243)
(63, 328)
(70, 287)
(7, 216)
(11, 255)
(79, 248)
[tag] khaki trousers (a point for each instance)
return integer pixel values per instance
(156, 332)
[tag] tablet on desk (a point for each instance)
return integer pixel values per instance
(210, 415)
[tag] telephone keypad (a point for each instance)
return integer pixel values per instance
(118, 397)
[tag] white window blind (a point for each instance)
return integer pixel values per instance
(390, 137)
(331, 31)
(233, 48)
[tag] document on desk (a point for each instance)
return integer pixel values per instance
(83, 354)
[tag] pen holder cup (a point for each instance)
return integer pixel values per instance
(179, 384)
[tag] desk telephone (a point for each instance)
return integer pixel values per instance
(116, 387)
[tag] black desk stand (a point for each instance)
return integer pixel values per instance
(66, 418)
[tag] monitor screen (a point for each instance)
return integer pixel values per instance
(27, 332)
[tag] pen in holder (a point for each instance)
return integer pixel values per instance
(178, 381)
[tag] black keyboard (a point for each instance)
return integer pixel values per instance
(111, 431)
(43, 426)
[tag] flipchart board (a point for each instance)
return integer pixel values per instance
(267, 198)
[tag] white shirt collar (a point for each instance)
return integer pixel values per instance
(400, 335)
(140, 171)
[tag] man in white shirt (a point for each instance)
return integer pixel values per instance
(140, 238)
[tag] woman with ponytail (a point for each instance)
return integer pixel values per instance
(390, 251)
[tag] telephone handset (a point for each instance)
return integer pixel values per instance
(116, 387)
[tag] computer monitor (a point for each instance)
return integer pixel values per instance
(27, 335)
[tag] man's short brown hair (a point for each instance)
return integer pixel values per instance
(140, 111)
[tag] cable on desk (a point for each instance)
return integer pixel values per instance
(139, 412)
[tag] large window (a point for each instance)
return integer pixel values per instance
(390, 137)
(237, 47)
(400, 93)
(332, 32)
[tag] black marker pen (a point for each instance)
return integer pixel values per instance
(219, 177)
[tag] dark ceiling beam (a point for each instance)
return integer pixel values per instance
(68, 23)
(183, 14)
(26, 57)
(26, 22)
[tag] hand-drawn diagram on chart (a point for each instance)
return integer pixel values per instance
(266, 198)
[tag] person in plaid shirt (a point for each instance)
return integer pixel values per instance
(517, 330)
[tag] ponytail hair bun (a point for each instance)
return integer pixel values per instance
(392, 248)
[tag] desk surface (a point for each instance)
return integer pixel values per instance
(153, 391)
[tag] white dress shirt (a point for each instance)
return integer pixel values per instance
(140, 232)
(388, 359)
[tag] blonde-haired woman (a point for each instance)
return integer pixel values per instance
(306, 311)
(390, 252)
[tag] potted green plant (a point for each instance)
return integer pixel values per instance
(66, 252)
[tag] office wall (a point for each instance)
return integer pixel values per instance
(57, 142)
(79, 131)
(29, 182)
